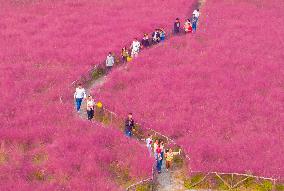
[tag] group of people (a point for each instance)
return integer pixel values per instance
(128, 54)
(159, 35)
(157, 148)
(79, 96)
(160, 153)
(190, 26)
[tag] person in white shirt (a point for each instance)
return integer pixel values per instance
(149, 141)
(135, 46)
(90, 107)
(79, 95)
(109, 62)
(196, 13)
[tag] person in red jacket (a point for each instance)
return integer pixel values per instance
(187, 26)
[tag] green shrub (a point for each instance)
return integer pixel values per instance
(98, 72)
(279, 187)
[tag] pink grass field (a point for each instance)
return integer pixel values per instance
(218, 93)
(45, 46)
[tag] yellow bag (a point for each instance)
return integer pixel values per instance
(99, 105)
(129, 59)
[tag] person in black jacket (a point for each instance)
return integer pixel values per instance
(129, 125)
(177, 26)
(145, 41)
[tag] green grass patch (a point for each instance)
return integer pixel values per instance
(279, 187)
(98, 72)
(193, 181)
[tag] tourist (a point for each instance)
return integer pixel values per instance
(124, 54)
(149, 141)
(145, 41)
(90, 107)
(109, 62)
(162, 146)
(177, 26)
(135, 46)
(159, 160)
(169, 158)
(79, 95)
(129, 125)
(156, 36)
(196, 14)
(156, 144)
(194, 23)
(162, 35)
(187, 26)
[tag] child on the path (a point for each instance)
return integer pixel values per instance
(124, 54)
(79, 95)
(90, 107)
(169, 158)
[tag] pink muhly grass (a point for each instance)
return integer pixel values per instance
(218, 92)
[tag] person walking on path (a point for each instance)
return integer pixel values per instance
(159, 160)
(162, 35)
(90, 107)
(109, 62)
(196, 14)
(79, 95)
(156, 144)
(135, 47)
(129, 125)
(162, 146)
(169, 158)
(194, 23)
(149, 141)
(145, 41)
(124, 54)
(177, 26)
(187, 26)
(156, 36)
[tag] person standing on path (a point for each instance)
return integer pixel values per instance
(90, 107)
(135, 47)
(79, 95)
(129, 125)
(156, 144)
(159, 160)
(194, 23)
(109, 62)
(169, 158)
(149, 141)
(145, 41)
(196, 14)
(162, 146)
(177, 26)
